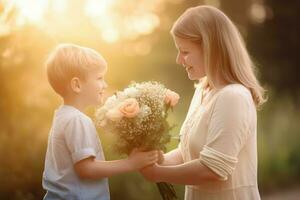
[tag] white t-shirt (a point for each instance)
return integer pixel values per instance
(72, 137)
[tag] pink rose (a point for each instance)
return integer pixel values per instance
(171, 98)
(129, 108)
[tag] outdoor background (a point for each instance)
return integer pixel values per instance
(133, 35)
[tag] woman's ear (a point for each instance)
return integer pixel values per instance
(75, 84)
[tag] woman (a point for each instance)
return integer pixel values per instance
(217, 154)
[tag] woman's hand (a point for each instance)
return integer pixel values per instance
(138, 159)
(172, 158)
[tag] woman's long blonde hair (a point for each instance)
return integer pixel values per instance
(225, 55)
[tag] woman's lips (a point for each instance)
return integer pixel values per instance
(188, 68)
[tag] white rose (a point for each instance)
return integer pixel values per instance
(131, 92)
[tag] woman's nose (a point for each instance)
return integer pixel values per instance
(179, 59)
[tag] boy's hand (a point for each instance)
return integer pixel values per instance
(139, 159)
(150, 173)
(161, 157)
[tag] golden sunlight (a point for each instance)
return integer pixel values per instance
(31, 10)
(115, 19)
(96, 8)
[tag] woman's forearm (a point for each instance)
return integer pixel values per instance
(173, 157)
(190, 173)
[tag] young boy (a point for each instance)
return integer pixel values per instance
(75, 167)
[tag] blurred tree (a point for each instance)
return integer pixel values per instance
(275, 44)
(238, 13)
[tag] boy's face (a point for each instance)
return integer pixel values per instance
(93, 87)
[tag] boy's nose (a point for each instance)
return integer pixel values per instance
(105, 85)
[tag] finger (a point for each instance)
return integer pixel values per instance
(150, 154)
(154, 152)
(154, 159)
(143, 149)
(161, 155)
(154, 156)
(139, 149)
(150, 163)
(134, 150)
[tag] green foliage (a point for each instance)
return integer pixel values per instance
(278, 143)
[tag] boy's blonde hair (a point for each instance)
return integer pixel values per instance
(68, 61)
(225, 55)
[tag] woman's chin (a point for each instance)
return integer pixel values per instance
(192, 78)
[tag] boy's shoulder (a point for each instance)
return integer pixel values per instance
(67, 114)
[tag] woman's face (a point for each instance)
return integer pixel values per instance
(190, 56)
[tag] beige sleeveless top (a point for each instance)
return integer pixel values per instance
(220, 132)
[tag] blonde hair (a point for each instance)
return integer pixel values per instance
(225, 55)
(68, 61)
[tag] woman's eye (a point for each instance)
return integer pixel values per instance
(184, 52)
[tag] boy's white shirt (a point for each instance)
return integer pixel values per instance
(72, 137)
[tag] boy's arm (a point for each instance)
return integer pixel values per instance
(90, 168)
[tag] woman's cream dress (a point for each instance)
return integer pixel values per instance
(220, 131)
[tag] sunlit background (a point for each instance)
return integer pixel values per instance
(133, 35)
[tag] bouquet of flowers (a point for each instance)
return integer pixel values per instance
(138, 116)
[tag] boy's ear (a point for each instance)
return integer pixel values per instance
(75, 84)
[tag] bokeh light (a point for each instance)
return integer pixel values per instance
(115, 19)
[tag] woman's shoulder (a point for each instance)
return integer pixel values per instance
(235, 89)
(235, 93)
